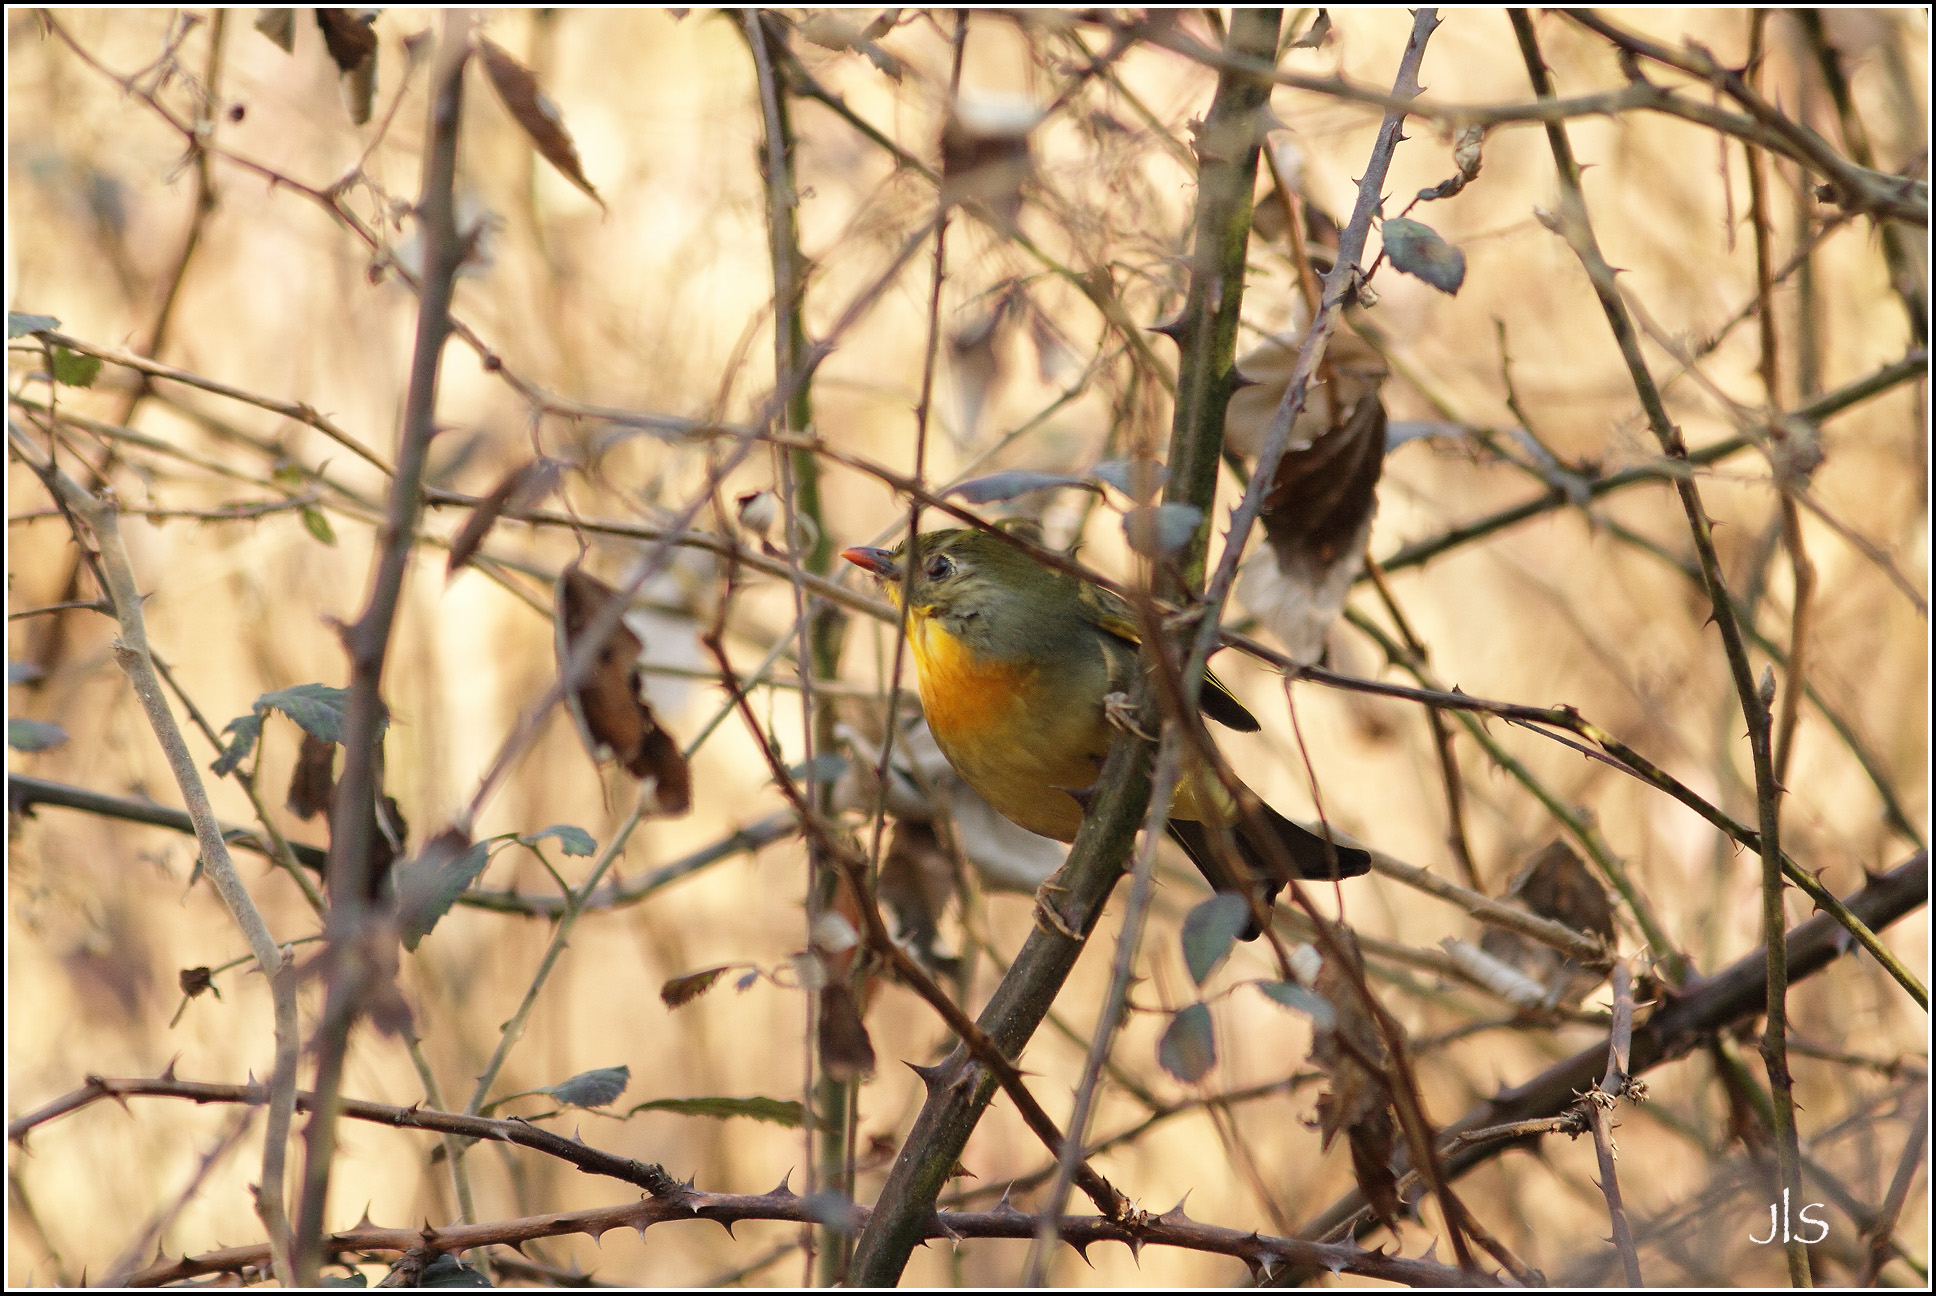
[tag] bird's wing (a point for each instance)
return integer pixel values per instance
(1112, 616)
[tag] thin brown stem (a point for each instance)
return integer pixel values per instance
(1572, 224)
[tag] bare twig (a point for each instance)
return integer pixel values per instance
(513, 1029)
(1882, 1236)
(353, 825)
(1572, 223)
(99, 516)
(1736, 993)
(1599, 1102)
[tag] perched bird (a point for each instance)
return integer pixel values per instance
(1021, 668)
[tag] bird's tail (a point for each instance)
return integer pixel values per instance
(1310, 856)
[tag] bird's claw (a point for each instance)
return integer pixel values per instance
(1120, 711)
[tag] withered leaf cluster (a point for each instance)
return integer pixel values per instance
(1556, 884)
(1357, 1101)
(1318, 513)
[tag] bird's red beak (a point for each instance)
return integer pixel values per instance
(879, 561)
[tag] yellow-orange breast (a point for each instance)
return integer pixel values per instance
(1015, 736)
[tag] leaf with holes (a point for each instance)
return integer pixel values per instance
(608, 705)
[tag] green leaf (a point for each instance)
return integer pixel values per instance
(1188, 1048)
(1416, 249)
(246, 729)
(343, 1280)
(1007, 485)
(20, 325)
(316, 522)
(33, 735)
(72, 369)
(448, 1271)
(1163, 530)
(318, 708)
(1139, 479)
(430, 884)
(824, 768)
(1209, 932)
(1309, 1002)
(572, 840)
(595, 1088)
(775, 1111)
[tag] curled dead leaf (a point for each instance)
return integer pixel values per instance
(312, 783)
(1318, 513)
(846, 1052)
(539, 118)
(1356, 1101)
(522, 487)
(682, 990)
(985, 154)
(916, 885)
(1556, 883)
(351, 41)
(614, 721)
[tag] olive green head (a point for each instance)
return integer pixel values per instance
(982, 589)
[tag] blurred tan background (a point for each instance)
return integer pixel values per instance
(662, 303)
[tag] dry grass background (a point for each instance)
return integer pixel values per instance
(645, 307)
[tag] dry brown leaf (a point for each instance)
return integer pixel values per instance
(985, 155)
(386, 843)
(522, 487)
(614, 721)
(1357, 1101)
(543, 125)
(1556, 884)
(313, 782)
(682, 990)
(1318, 513)
(846, 1052)
(916, 885)
(351, 41)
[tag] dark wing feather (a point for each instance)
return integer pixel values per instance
(1112, 616)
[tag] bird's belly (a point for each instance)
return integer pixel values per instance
(1012, 738)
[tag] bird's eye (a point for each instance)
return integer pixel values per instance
(940, 567)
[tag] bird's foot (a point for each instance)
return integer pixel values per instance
(1121, 714)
